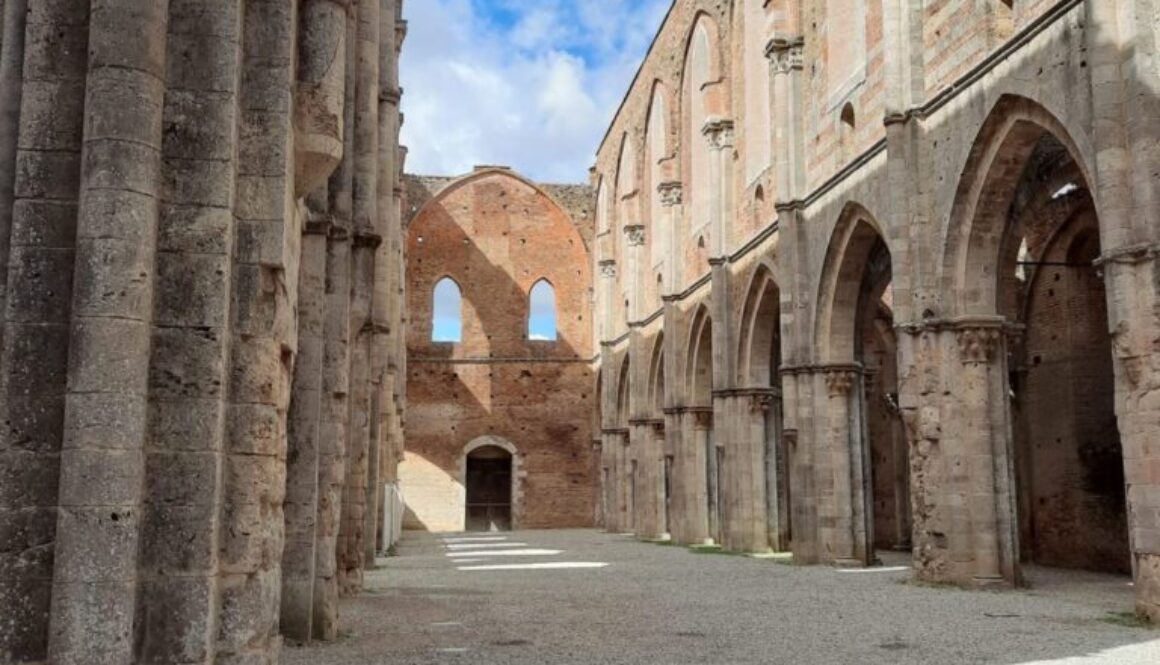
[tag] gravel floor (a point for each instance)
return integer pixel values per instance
(667, 605)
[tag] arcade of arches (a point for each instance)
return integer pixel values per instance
(829, 334)
(848, 276)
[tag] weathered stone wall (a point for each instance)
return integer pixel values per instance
(496, 235)
(927, 129)
(174, 262)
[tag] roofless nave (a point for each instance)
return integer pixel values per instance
(851, 276)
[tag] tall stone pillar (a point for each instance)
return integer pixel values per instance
(658, 481)
(983, 446)
(34, 364)
(365, 243)
(334, 410)
(262, 341)
(11, 94)
(691, 460)
(102, 463)
(719, 133)
(299, 557)
(841, 472)
(747, 527)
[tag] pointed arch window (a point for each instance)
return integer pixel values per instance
(447, 312)
(542, 313)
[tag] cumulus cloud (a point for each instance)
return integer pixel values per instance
(530, 84)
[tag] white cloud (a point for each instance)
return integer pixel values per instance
(528, 84)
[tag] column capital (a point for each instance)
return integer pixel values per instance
(719, 132)
(839, 381)
(760, 403)
(977, 344)
(608, 268)
(634, 235)
(671, 193)
(785, 54)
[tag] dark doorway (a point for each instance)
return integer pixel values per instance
(489, 489)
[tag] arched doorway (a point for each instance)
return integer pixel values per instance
(1023, 250)
(489, 489)
(760, 364)
(490, 474)
(704, 457)
(1069, 465)
(866, 444)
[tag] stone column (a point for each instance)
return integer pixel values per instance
(385, 269)
(644, 505)
(634, 240)
(11, 94)
(262, 340)
(671, 195)
(657, 493)
(839, 535)
(785, 57)
(365, 243)
(299, 558)
(333, 431)
(102, 463)
(719, 133)
(692, 471)
(979, 521)
(33, 366)
(748, 522)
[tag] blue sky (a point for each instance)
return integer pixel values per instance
(447, 312)
(530, 84)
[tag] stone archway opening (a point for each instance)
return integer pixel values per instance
(700, 393)
(1069, 466)
(866, 442)
(761, 363)
(876, 350)
(489, 487)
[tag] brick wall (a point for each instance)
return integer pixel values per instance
(496, 235)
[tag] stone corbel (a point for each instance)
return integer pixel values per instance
(840, 381)
(977, 344)
(320, 92)
(760, 403)
(671, 193)
(608, 268)
(702, 418)
(719, 132)
(634, 235)
(785, 55)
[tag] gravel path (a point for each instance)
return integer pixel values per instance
(667, 605)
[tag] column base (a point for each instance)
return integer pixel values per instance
(989, 582)
(849, 563)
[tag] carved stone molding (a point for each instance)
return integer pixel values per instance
(608, 268)
(703, 419)
(760, 403)
(785, 55)
(671, 193)
(634, 235)
(977, 345)
(839, 382)
(719, 132)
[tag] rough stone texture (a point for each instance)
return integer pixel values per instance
(953, 205)
(171, 459)
(496, 235)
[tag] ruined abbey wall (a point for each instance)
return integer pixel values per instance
(496, 236)
(200, 251)
(854, 259)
